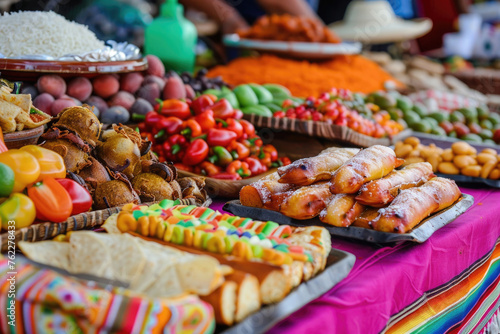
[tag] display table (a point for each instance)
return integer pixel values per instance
(388, 280)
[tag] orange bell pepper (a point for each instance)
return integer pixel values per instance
(3, 147)
(24, 165)
(240, 168)
(51, 163)
(53, 203)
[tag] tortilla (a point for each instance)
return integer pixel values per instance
(24, 102)
(88, 254)
(110, 225)
(51, 253)
(8, 114)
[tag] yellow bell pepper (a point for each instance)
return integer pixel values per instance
(51, 163)
(25, 166)
(18, 208)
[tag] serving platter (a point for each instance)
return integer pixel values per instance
(324, 130)
(339, 264)
(224, 188)
(419, 233)
(304, 50)
(469, 181)
(28, 69)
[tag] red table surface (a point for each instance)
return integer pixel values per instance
(385, 280)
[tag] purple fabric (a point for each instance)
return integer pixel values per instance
(386, 280)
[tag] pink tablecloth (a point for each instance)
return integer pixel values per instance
(385, 280)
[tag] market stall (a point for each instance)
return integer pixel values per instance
(302, 184)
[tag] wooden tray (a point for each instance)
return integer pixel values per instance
(419, 233)
(224, 188)
(83, 221)
(324, 130)
(18, 139)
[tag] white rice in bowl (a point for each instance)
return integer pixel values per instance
(44, 33)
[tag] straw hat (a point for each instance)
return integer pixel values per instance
(374, 22)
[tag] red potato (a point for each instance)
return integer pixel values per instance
(174, 89)
(106, 85)
(52, 84)
(97, 102)
(155, 66)
(44, 102)
(131, 82)
(80, 88)
(61, 104)
(150, 93)
(154, 79)
(122, 98)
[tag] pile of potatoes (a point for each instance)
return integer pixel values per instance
(461, 158)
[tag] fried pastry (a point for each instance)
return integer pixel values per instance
(369, 164)
(380, 192)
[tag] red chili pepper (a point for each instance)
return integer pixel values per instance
(222, 109)
(180, 166)
(272, 151)
(201, 103)
(191, 128)
(227, 176)
(239, 167)
(152, 118)
(285, 161)
(248, 127)
(171, 125)
(219, 137)
(174, 147)
(238, 150)
(80, 197)
(238, 114)
(52, 201)
(209, 168)
(232, 125)
(174, 107)
(147, 136)
(265, 158)
(196, 152)
(206, 120)
(255, 166)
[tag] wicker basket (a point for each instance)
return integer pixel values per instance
(324, 130)
(83, 221)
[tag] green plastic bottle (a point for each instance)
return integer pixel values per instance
(172, 38)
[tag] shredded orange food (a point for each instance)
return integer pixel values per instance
(304, 78)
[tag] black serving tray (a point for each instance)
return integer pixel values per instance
(420, 233)
(473, 182)
(338, 266)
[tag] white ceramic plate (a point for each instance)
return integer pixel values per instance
(294, 49)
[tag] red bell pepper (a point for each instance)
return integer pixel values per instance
(255, 166)
(191, 128)
(52, 201)
(206, 120)
(201, 103)
(171, 125)
(152, 118)
(239, 167)
(232, 125)
(209, 168)
(80, 197)
(248, 128)
(174, 107)
(174, 147)
(222, 109)
(227, 176)
(219, 137)
(238, 150)
(196, 152)
(3, 147)
(238, 114)
(272, 151)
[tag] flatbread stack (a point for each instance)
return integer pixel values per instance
(17, 112)
(148, 268)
